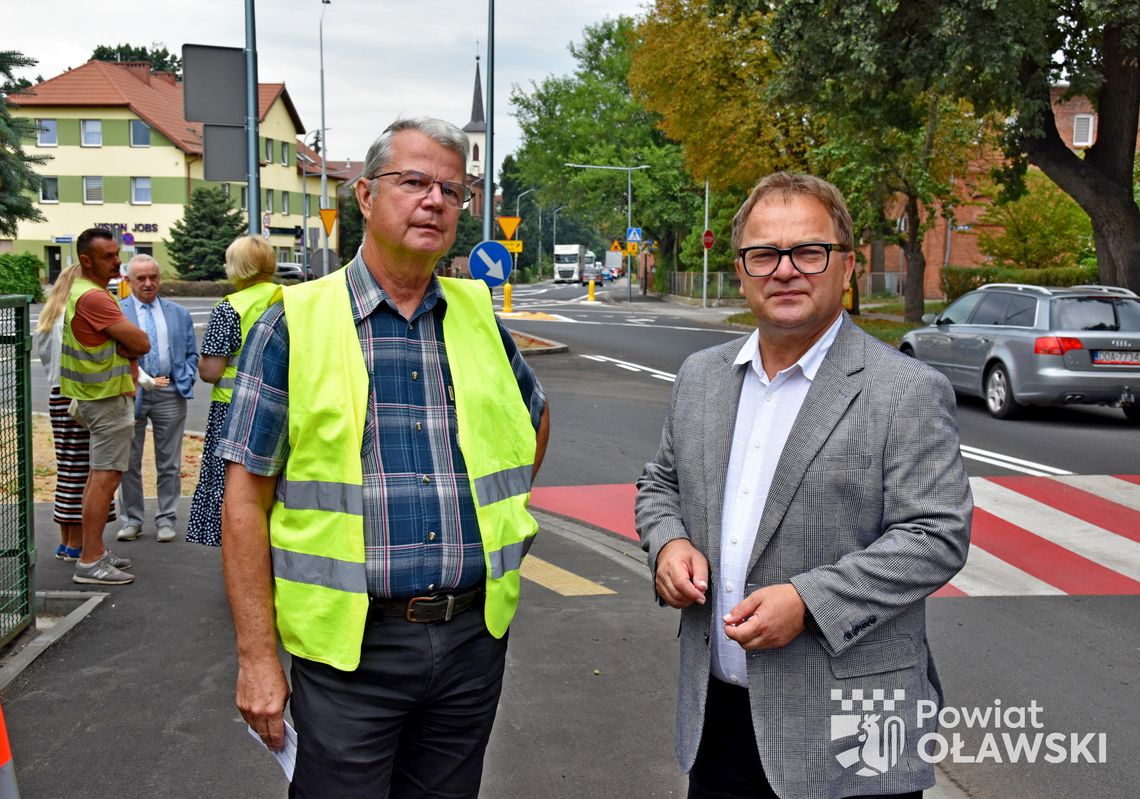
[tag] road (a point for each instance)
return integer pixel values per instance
(1046, 611)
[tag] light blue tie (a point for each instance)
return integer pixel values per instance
(150, 361)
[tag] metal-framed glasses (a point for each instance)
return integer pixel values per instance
(809, 258)
(409, 181)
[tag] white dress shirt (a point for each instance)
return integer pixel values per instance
(764, 417)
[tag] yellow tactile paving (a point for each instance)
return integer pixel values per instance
(537, 315)
(559, 580)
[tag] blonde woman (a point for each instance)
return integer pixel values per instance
(250, 266)
(72, 442)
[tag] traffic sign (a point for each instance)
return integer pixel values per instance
(631, 248)
(509, 224)
(649, 245)
(490, 262)
(633, 234)
(708, 239)
(616, 246)
(512, 245)
(129, 239)
(328, 218)
(61, 239)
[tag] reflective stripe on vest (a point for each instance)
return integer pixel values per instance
(90, 373)
(249, 304)
(316, 524)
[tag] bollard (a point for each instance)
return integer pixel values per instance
(8, 787)
(506, 298)
(590, 296)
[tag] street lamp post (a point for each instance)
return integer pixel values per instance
(324, 145)
(628, 211)
(518, 199)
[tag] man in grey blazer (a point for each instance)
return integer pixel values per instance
(807, 496)
(172, 363)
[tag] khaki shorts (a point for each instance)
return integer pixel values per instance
(111, 422)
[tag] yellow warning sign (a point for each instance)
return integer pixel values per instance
(512, 245)
(509, 224)
(631, 248)
(616, 246)
(328, 217)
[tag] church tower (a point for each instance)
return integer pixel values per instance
(476, 129)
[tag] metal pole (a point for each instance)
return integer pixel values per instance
(324, 146)
(253, 168)
(489, 160)
(705, 284)
(628, 225)
(539, 250)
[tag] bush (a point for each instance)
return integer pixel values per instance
(197, 288)
(957, 280)
(20, 274)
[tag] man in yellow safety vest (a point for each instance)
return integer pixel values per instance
(382, 438)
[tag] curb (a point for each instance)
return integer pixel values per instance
(83, 602)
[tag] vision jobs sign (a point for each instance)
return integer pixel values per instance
(991, 734)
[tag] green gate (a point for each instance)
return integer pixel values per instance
(17, 531)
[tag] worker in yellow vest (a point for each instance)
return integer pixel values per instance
(382, 438)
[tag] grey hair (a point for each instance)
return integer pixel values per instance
(787, 185)
(443, 133)
(139, 259)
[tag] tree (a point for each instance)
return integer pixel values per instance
(1006, 58)
(591, 117)
(160, 59)
(350, 223)
(19, 184)
(1043, 228)
(198, 241)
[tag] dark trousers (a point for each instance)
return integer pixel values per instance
(412, 721)
(728, 764)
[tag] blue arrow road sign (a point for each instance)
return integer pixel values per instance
(633, 234)
(490, 262)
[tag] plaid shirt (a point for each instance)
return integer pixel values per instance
(420, 536)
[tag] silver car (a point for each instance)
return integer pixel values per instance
(1017, 345)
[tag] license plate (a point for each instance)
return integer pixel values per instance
(1126, 357)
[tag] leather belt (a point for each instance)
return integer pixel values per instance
(425, 609)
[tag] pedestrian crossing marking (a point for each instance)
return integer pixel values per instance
(559, 580)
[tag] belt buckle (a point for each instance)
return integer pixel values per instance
(412, 603)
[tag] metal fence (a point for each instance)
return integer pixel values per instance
(17, 532)
(722, 285)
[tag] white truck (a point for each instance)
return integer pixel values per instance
(569, 260)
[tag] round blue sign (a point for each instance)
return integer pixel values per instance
(490, 262)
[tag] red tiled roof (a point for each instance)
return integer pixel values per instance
(155, 98)
(338, 170)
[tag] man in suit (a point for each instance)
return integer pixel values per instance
(807, 496)
(172, 364)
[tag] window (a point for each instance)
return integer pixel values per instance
(93, 190)
(269, 201)
(475, 152)
(1083, 125)
(308, 205)
(140, 133)
(959, 310)
(140, 191)
(49, 190)
(285, 203)
(244, 203)
(47, 133)
(269, 150)
(284, 154)
(992, 309)
(1022, 311)
(92, 132)
(1101, 313)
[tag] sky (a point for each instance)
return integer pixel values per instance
(382, 60)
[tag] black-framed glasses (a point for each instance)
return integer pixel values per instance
(809, 258)
(410, 181)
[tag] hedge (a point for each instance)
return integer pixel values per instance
(197, 288)
(957, 280)
(20, 274)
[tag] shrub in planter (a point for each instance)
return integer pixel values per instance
(20, 274)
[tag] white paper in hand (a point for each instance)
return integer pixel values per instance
(287, 757)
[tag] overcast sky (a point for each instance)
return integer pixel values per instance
(382, 59)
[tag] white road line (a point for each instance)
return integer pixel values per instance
(1003, 464)
(1010, 459)
(987, 575)
(665, 377)
(629, 368)
(1076, 535)
(1111, 488)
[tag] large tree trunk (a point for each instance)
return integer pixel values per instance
(914, 295)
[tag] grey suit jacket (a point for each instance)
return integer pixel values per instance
(868, 514)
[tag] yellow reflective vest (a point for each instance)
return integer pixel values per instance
(91, 373)
(249, 304)
(316, 524)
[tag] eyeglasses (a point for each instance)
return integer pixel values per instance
(809, 258)
(455, 195)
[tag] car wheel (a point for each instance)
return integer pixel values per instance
(1132, 413)
(999, 394)
(907, 350)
